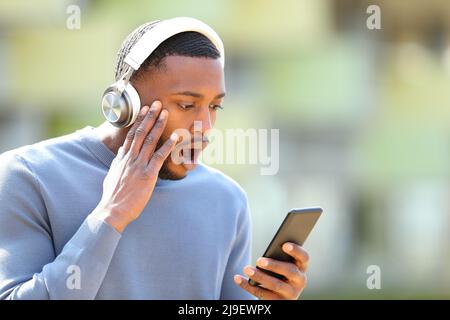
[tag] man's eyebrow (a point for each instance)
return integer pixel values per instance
(196, 95)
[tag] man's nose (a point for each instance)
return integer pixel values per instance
(205, 120)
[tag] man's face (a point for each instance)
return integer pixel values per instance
(191, 89)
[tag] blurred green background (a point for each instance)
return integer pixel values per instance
(363, 118)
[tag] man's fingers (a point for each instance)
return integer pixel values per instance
(162, 153)
(130, 135)
(287, 269)
(144, 128)
(276, 285)
(260, 293)
(152, 138)
(298, 253)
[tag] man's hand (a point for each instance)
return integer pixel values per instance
(273, 288)
(131, 179)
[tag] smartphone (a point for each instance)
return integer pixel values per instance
(295, 228)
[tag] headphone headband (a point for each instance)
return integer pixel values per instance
(165, 29)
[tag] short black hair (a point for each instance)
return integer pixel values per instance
(188, 44)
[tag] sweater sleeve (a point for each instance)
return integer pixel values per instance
(239, 257)
(29, 267)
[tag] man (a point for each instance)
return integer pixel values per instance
(106, 213)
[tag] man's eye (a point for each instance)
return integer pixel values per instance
(216, 106)
(186, 106)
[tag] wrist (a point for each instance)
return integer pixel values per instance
(112, 218)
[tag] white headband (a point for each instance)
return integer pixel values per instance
(164, 30)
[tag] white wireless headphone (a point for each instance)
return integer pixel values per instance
(121, 102)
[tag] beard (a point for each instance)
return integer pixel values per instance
(167, 174)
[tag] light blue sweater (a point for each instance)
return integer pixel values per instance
(189, 241)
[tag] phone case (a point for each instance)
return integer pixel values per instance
(296, 227)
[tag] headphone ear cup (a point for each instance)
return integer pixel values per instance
(121, 109)
(134, 103)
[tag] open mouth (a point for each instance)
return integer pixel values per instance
(189, 151)
(190, 154)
